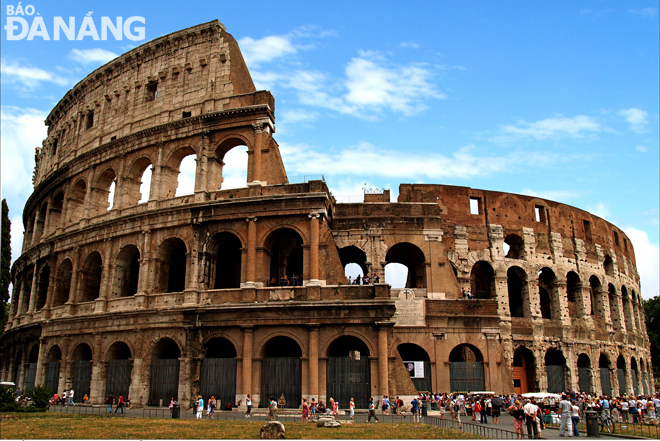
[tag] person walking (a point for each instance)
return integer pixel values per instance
(351, 408)
(70, 398)
(415, 409)
(200, 407)
(575, 418)
(110, 401)
(248, 403)
(372, 409)
(455, 409)
(64, 399)
(312, 409)
(565, 409)
(120, 404)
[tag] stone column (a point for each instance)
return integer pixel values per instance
(87, 205)
(502, 293)
(107, 273)
(251, 263)
(144, 281)
(248, 333)
(314, 249)
(41, 363)
(313, 387)
(383, 385)
(135, 389)
(185, 383)
(256, 162)
(33, 290)
(155, 190)
(532, 308)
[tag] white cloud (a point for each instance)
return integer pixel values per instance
(647, 257)
(637, 118)
(21, 131)
(186, 178)
(641, 148)
(234, 172)
(599, 210)
(265, 50)
(30, 77)
(92, 56)
(559, 126)
(553, 195)
(409, 44)
(645, 12)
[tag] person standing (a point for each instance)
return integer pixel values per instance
(386, 405)
(575, 418)
(200, 407)
(305, 410)
(312, 409)
(415, 409)
(531, 409)
(65, 401)
(335, 408)
(248, 403)
(110, 401)
(518, 414)
(484, 410)
(372, 409)
(455, 409)
(565, 409)
(351, 408)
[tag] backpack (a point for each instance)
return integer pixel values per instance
(456, 408)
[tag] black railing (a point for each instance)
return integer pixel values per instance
(476, 429)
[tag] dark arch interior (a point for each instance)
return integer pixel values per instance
(286, 253)
(54, 354)
(465, 353)
(82, 352)
(516, 246)
(515, 283)
(167, 348)
(127, 268)
(227, 254)
(411, 351)
(352, 254)
(546, 283)
(33, 356)
(620, 363)
(482, 281)
(603, 362)
(62, 284)
(554, 358)
(584, 361)
(608, 265)
(220, 348)
(282, 347)
(573, 286)
(173, 260)
(42, 288)
(91, 280)
(119, 351)
(347, 345)
(412, 258)
(522, 357)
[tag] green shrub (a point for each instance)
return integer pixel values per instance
(6, 395)
(40, 396)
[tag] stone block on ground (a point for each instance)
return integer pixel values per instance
(272, 430)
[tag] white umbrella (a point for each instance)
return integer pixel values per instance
(540, 395)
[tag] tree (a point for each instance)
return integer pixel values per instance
(5, 278)
(652, 313)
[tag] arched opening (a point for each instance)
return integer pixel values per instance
(482, 281)
(27, 290)
(178, 178)
(52, 376)
(573, 292)
(127, 272)
(286, 253)
(555, 365)
(231, 166)
(396, 275)
(515, 245)
(608, 265)
(354, 261)
(605, 379)
(120, 367)
(621, 375)
(101, 201)
(42, 287)
(281, 372)
(348, 372)
(40, 222)
(82, 371)
(75, 208)
(466, 369)
(584, 373)
(634, 374)
(90, 284)
(18, 361)
(222, 261)
(524, 371)
(518, 292)
(628, 310)
(644, 386)
(56, 211)
(218, 372)
(164, 379)
(33, 358)
(171, 264)
(614, 306)
(137, 183)
(548, 293)
(595, 293)
(352, 271)
(62, 283)
(413, 259)
(418, 364)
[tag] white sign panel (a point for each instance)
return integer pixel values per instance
(415, 368)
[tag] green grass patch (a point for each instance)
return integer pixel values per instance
(57, 426)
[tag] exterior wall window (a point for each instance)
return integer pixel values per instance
(474, 205)
(152, 91)
(89, 122)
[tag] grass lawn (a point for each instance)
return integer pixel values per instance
(57, 426)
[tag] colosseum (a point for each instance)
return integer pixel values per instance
(174, 296)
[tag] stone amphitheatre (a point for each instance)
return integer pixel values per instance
(173, 297)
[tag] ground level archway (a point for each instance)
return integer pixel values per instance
(218, 372)
(466, 369)
(348, 372)
(281, 372)
(418, 364)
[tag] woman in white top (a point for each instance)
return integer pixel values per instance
(575, 417)
(625, 407)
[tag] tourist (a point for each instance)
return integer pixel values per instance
(335, 408)
(386, 405)
(200, 407)
(172, 403)
(351, 408)
(312, 409)
(85, 399)
(565, 409)
(212, 405)
(120, 404)
(531, 410)
(305, 410)
(415, 410)
(455, 409)
(372, 410)
(484, 411)
(64, 398)
(55, 399)
(110, 401)
(248, 404)
(518, 414)
(70, 399)
(575, 418)
(625, 410)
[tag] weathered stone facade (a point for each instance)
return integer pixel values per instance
(173, 296)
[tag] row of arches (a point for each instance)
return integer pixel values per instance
(109, 187)
(526, 373)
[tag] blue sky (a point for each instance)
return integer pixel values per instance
(557, 99)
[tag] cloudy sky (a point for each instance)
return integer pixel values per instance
(557, 99)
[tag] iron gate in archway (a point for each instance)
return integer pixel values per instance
(605, 383)
(52, 376)
(218, 378)
(465, 376)
(118, 377)
(349, 377)
(31, 376)
(164, 382)
(583, 379)
(281, 376)
(556, 383)
(82, 377)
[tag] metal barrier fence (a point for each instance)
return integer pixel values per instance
(476, 429)
(621, 428)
